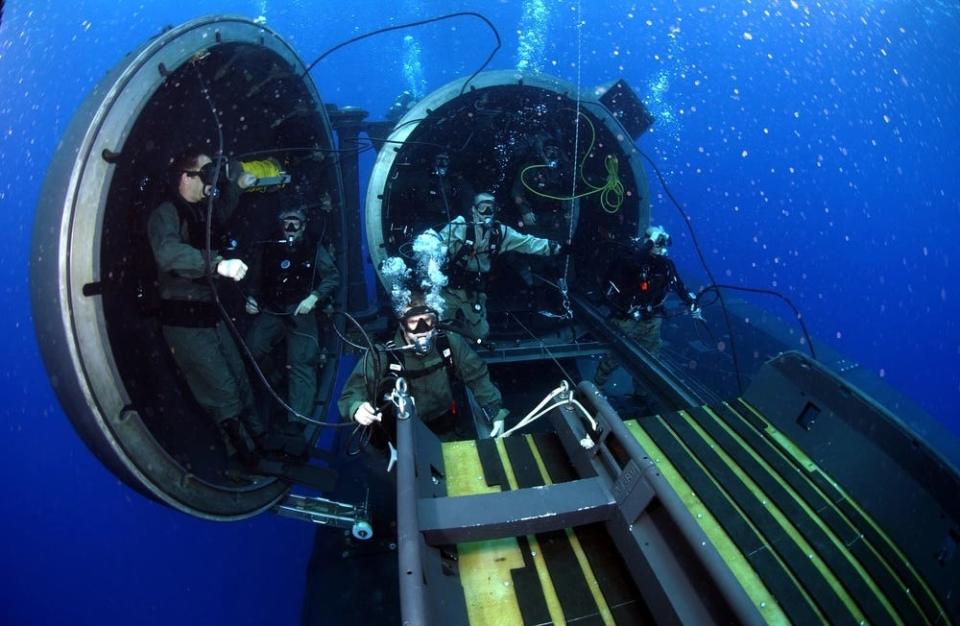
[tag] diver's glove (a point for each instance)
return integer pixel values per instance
(555, 247)
(306, 305)
(246, 180)
(234, 269)
(326, 203)
(496, 415)
(252, 307)
(366, 414)
(529, 218)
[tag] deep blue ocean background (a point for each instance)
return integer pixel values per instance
(814, 144)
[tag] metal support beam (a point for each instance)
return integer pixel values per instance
(413, 605)
(348, 122)
(513, 513)
(628, 533)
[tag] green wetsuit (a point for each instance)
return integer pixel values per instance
(470, 259)
(198, 340)
(431, 392)
(281, 278)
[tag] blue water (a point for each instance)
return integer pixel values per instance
(814, 144)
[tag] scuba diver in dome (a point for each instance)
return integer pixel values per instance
(291, 277)
(636, 287)
(429, 360)
(471, 249)
(437, 193)
(536, 180)
(199, 341)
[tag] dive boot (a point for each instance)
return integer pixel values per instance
(235, 433)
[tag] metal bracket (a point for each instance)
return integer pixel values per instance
(327, 513)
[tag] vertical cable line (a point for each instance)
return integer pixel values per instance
(576, 147)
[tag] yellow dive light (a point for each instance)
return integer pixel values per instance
(269, 173)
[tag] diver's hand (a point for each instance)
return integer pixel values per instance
(306, 305)
(529, 218)
(246, 180)
(695, 312)
(367, 415)
(497, 415)
(252, 307)
(234, 269)
(326, 204)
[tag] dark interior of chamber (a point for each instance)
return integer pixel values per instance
(490, 136)
(265, 111)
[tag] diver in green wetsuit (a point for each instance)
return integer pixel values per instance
(289, 277)
(428, 361)
(471, 248)
(199, 341)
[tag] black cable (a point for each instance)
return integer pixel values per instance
(706, 267)
(796, 312)
(431, 20)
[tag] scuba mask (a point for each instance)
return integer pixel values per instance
(484, 213)
(551, 157)
(421, 332)
(441, 165)
(293, 223)
(656, 240)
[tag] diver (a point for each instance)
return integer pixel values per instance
(199, 341)
(471, 249)
(290, 277)
(636, 287)
(435, 194)
(546, 174)
(428, 360)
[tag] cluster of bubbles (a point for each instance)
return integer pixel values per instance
(413, 67)
(430, 254)
(396, 276)
(534, 26)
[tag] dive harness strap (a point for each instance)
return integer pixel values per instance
(396, 365)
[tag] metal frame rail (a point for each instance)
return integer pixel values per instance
(678, 571)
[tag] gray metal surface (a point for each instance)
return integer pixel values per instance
(513, 513)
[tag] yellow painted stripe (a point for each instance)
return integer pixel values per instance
(549, 591)
(810, 513)
(807, 463)
(782, 520)
(485, 566)
(745, 574)
(588, 574)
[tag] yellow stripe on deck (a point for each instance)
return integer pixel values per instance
(484, 565)
(748, 578)
(588, 574)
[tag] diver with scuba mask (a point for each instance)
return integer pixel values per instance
(289, 278)
(546, 174)
(471, 249)
(428, 360)
(636, 287)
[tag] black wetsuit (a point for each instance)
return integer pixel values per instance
(638, 285)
